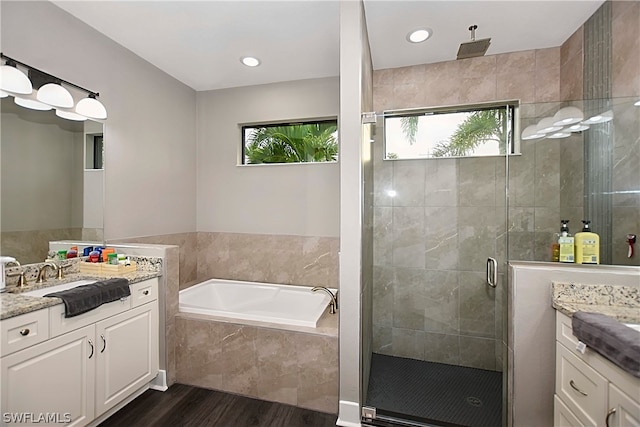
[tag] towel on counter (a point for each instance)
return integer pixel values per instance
(610, 338)
(85, 298)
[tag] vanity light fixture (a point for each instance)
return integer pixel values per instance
(51, 92)
(55, 95)
(568, 116)
(31, 104)
(14, 80)
(69, 115)
(637, 103)
(92, 108)
(557, 135)
(607, 116)
(419, 35)
(578, 127)
(3, 94)
(531, 132)
(250, 61)
(547, 125)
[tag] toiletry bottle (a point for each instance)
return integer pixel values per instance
(566, 243)
(555, 248)
(587, 245)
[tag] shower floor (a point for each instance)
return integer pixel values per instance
(435, 393)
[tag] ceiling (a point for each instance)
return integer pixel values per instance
(200, 43)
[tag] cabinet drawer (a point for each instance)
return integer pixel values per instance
(24, 331)
(144, 292)
(61, 325)
(562, 416)
(580, 387)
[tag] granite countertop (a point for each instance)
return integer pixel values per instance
(620, 302)
(14, 303)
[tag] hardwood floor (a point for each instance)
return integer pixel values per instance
(184, 405)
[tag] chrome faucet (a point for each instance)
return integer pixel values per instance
(333, 305)
(42, 273)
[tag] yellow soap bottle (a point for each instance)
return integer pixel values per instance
(587, 245)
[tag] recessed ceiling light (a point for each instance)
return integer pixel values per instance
(419, 35)
(250, 61)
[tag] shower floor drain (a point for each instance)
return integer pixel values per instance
(474, 401)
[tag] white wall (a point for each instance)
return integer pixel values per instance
(150, 174)
(292, 199)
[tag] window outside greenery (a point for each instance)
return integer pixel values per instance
(307, 142)
(452, 132)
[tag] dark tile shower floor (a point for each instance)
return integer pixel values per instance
(435, 393)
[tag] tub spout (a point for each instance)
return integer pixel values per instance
(333, 305)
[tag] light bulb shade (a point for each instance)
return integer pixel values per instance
(568, 116)
(557, 135)
(3, 94)
(31, 104)
(578, 127)
(637, 103)
(70, 115)
(546, 125)
(14, 80)
(55, 95)
(530, 132)
(91, 108)
(607, 116)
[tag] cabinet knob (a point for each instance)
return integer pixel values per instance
(145, 293)
(25, 332)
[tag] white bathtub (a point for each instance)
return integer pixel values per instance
(267, 302)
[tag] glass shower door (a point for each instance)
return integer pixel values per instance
(437, 322)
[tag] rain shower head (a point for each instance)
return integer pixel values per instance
(475, 47)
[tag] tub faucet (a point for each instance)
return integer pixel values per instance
(42, 273)
(334, 298)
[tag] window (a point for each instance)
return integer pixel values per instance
(464, 131)
(302, 142)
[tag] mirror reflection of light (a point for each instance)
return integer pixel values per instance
(392, 193)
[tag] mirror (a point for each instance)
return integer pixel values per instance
(590, 173)
(52, 178)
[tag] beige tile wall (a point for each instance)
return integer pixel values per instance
(187, 242)
(290, 367)
(289, 260)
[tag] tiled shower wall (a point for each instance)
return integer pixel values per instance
(432, 239)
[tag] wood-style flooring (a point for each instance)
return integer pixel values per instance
(183, 405)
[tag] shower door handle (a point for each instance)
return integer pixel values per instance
(492, 272)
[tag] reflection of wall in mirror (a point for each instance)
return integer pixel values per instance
(42, 182)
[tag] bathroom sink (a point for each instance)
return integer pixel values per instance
(61, 287)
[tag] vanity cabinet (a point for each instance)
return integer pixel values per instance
(85, 369)
(590, 390)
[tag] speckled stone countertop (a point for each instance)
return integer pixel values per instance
(620, 302)
(14, 303)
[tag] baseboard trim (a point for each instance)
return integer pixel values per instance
(348, 414)
(160, 381)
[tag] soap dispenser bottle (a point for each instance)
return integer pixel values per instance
(566, 242)
(587, 245)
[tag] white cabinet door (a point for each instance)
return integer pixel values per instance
(54, 380)
(627, 410)
(127, 350)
